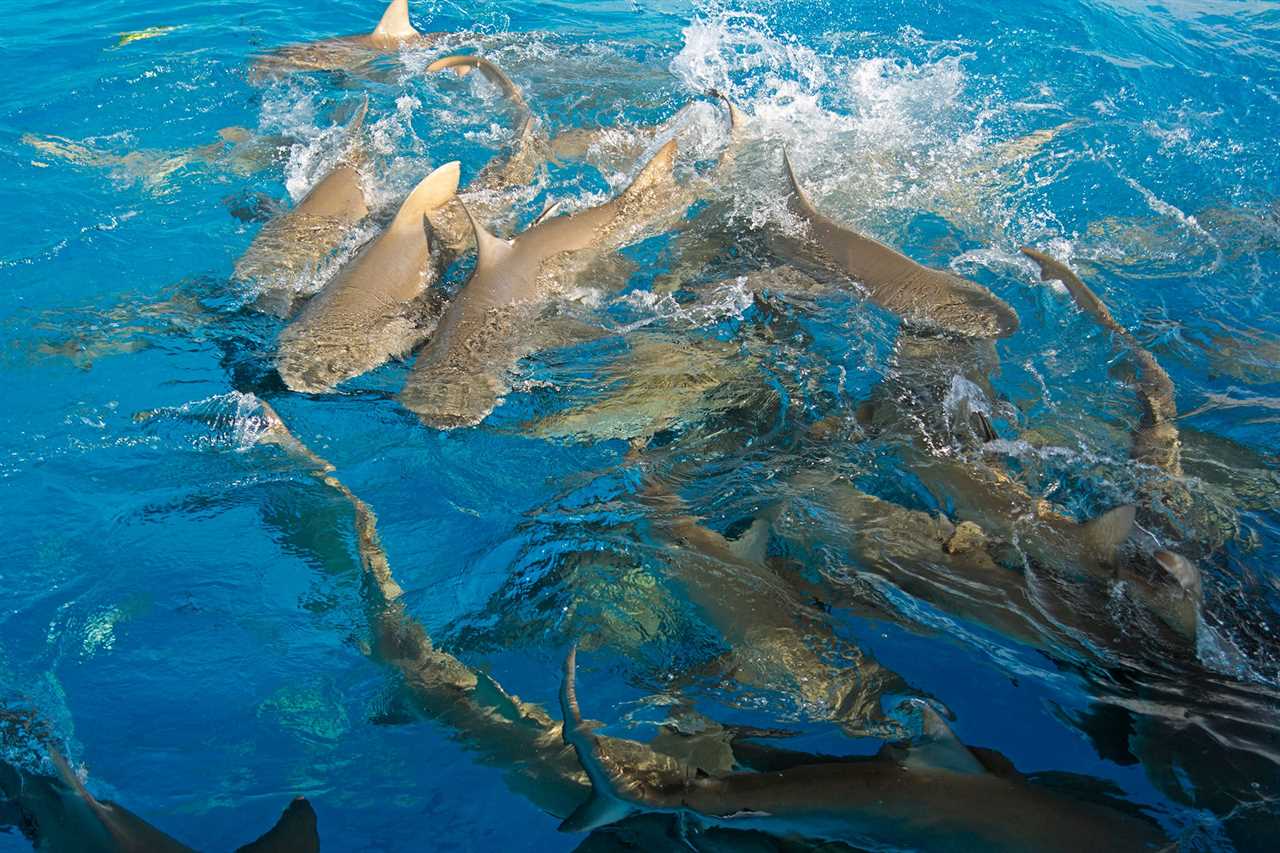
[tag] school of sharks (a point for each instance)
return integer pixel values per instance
(446, 280)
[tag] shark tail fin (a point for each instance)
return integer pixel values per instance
(294, 832)
(462, 64)
(489, 248)
(801, 200)
(605, 805)
(395, 21)
(656, 173)
(432, 192)
(1108, 531)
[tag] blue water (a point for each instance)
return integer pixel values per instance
(185, 608)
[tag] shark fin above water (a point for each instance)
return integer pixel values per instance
(463, 64)
(395, 21)
(490, 249)
(432, 192)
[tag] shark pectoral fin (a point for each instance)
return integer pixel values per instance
(395, 21)
(753, 545)
(1104, 534)
(605, 805)
(938, 748)
(294, 832)
(431, 193)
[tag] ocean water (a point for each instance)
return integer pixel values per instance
(184, 605)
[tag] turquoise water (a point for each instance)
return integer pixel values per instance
(185, 607)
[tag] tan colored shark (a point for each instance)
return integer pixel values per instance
(371, 310)
(290, 247)
(919, 295)
(935, 794)
(463, 372)
(238, 151)
(355, 53)
(1155, 443)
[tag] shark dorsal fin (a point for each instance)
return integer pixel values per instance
(432, 192)
(1108, 531)
(753, 545)
(100, 810)
(802, 203)
(604, 806)
(938, 748)
(656, 172)
(395, 21)
(489, 248)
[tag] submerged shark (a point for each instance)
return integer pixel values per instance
(61, 816)
(934, 794)
(354, 53)
(1179, 593)
(291, 246)
(371, 311)
(919, 295)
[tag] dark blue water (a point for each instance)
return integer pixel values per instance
(185, 608)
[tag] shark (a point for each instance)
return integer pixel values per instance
(291, 246)
(373, 309)
(776, 640)
(1177, 590)
(935, 793)
(920, 296)
(354, 53)
(60, 815)
(462, 373)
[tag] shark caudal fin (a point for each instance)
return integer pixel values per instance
(605, 805)
(463, 64)
(1106, 533)
(395, 21)
(433, 191)
(294, 832)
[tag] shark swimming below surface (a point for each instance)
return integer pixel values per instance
(934, 794)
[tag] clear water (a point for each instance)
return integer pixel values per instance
(184, 607)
